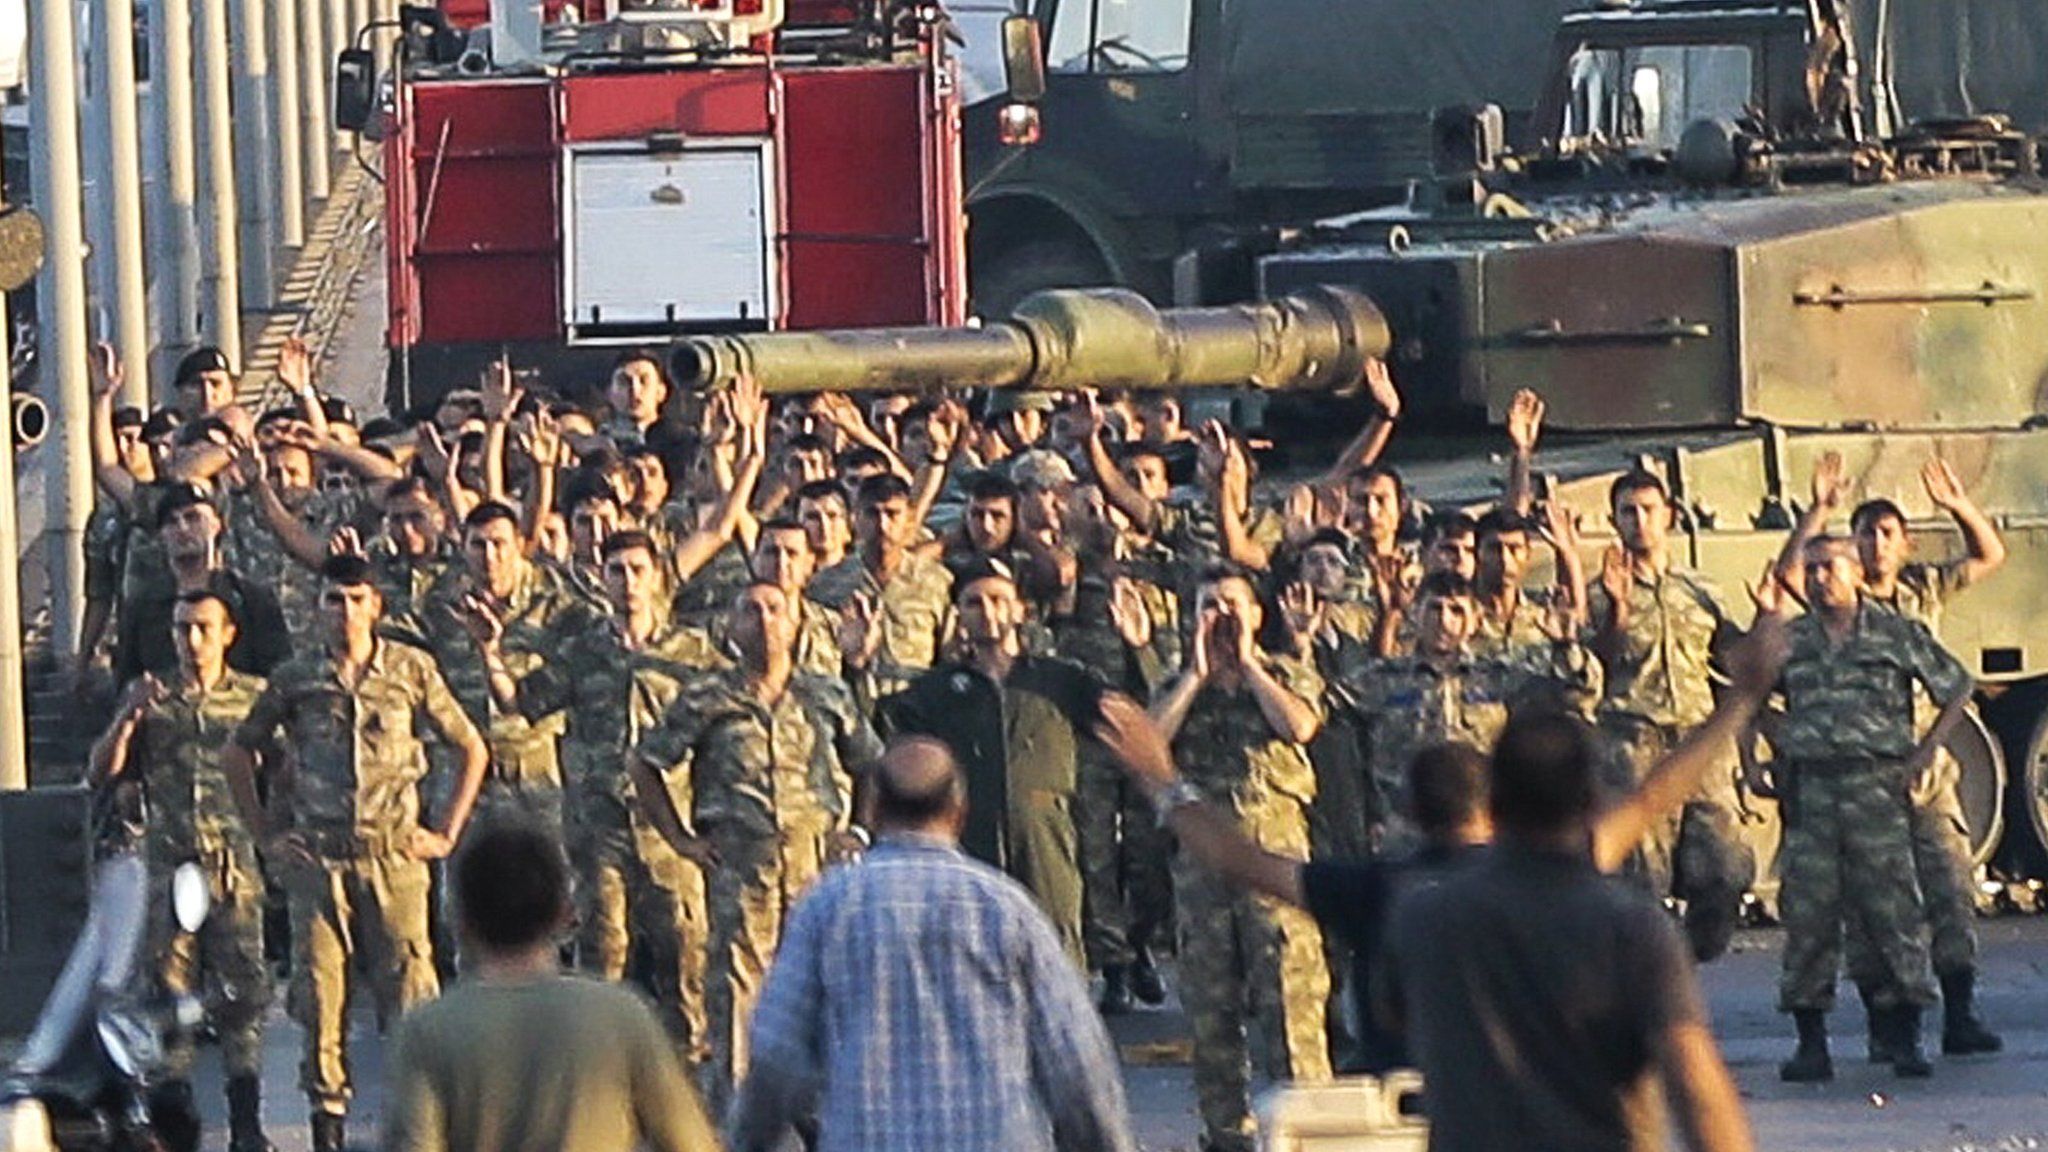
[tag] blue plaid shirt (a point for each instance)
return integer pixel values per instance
(921, 1001)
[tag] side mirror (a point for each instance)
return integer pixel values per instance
(1023, 60)
(355, 89)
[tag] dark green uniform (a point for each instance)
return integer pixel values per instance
(1018, 743)
(1842, 786)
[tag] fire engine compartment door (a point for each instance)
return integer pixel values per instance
(662, 240)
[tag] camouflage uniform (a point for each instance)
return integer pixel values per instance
(1943, 858)
(1408, 703)
(916, 606)
(760, 797)
(1126, 885)
(192, 818)
(249, 547)
(526, 773)
(1658, 689)
(406, 580)
(1241, 950)
(106, 549)
(1192, 531)
(354, 799)
(709, 593)
(1842, 786)
(631, 884)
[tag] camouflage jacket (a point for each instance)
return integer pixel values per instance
(1675, 623)
(756, 769)
(611, 694)
(708, 595)
(1853, 699)
(175, 753)
(916, 605)
(1226, 748)
(1408, 703)
(406, 580)
(537, 616)
(1521, 631)
(358, 753)
(1089, 637)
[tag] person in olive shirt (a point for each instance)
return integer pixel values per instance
(520, 1055)
(1015, 722)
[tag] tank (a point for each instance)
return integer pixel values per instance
(1725, 258)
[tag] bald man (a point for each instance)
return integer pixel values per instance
(995, 1013)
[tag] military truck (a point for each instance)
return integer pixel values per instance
(1180, 136)
(1717, 261)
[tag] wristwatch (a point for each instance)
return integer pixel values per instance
(1175, 796)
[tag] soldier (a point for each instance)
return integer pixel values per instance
(1656, 627)
(189, 527)
(168, 734)
(895, 599)
(1126, 630)
(635, 396)
(783, 557)
(1942, 856)
(613, 682)
(343, 834)
(1444, 693)
(535, 609)
(1015, 723)
(821, 508)
(413, 552)
(1240, 721)
(714, 533)
(1846, 760)
(766, 749)
(988, 528)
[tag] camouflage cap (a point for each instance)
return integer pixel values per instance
(1041, 469)
(1012, 401)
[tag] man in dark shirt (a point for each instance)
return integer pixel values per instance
(190, 528)
(1543, 1000)
(1015, 723)
(1449, 798)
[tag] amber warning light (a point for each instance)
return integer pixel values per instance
(1017, 125)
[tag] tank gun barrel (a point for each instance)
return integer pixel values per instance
(1319, 338)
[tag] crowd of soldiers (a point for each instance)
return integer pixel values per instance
(674, 627)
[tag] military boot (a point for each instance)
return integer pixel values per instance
(1962, 1034)
(1146, 982)
(1908, 1060)
(1116, 991)
(327, 1132)
(1810, 1062)
(1879, 1046)
(245, 1115)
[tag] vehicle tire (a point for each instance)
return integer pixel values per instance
(2020, 718)
(997, 284)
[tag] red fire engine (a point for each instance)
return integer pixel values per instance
(557, 188)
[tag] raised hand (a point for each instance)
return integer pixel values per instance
(1830, 482)
(1301, 610)
(480, 619)
(1943, 486)
(1525, 420)
(345, 542)
(433, 451)
(144, 692)
(1127, 612)
(1298, 515)
(1617, 573)
(1134, 741)
(1560, 620)
(295, 365)
(1379, 384)
(860, 629)
(108, 374)
(501, 395)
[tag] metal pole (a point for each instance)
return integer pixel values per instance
(291, 186)
(13, 728)
(126, 298)
(339, 36)
(222, 271)
(170, 82)
(359, 13)
(315, 139)
(384, 12)
(256, 168)
(60, 302)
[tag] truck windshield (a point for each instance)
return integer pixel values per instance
(1644, 96)
(1119, 36)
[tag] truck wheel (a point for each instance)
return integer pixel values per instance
(998, 284)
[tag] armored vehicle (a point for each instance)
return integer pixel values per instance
(1720, 261)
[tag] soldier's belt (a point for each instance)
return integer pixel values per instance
(355, 845)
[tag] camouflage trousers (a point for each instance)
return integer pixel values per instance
(1848, 856)
(370, 909)
(1943, 865)
(751, 889)
(536, 798)
(1697, 853)
(1255, 984)
(1126, 877)
(633, 890)
(225, 955)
